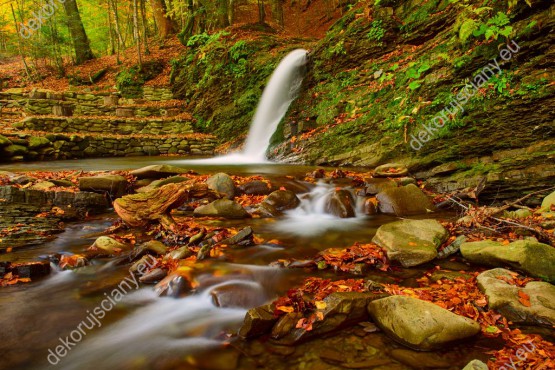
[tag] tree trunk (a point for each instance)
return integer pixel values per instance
(261, 12)
(223, 10)
(165, 24)
(138, 210)
(277, 12)
(81, 42)
(137, 33)
(231, 12)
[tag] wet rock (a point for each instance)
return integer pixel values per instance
(278, 202)
(404, 201)
(223, 184)
(141, 265)
(452, 248)
(411, 242)
(151, 247)
(244, 294)
(258, 321)
(222, 208)
(4, 267)
(30, 270)
(109, 245)
(226, 359)
(476, 365)
(179, 253)
(369, 208)
(340, 204)
(243, 238)
(419, 324)
(375, 186)
(174, 286)
(504, 298)
(114, 185)
(340, 309)
(158, 171)
(533, 258)
(391, 170)
(256, 187)
(154, 276)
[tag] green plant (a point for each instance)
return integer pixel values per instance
(498, 25)
(376, 32)
(414, 72)
(338, 49)
(501, 82)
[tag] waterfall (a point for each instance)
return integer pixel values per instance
(282, 89)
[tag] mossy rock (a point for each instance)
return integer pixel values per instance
(4, 141)
(38, 142)
(15, 150)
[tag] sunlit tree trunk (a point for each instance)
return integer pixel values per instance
(79, 37)
(166, 26)
(136, 32)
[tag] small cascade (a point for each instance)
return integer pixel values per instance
(312, 216)
(282, 89)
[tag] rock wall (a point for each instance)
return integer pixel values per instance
(112, 126)
(58, 146)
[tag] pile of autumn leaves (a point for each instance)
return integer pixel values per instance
(459, 295)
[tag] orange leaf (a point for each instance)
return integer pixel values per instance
(524, 298)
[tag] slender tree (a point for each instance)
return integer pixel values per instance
(223, 13)
(79, 37)
(277, 12)
(261, 12)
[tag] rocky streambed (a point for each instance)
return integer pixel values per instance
(309, 268)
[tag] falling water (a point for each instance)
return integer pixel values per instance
(282, 89)
(311, 217)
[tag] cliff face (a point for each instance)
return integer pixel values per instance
(457, 90)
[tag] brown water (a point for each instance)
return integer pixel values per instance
(147, 332)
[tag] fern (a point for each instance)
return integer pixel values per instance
(466, 30)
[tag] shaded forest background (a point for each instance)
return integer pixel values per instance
(81, 30)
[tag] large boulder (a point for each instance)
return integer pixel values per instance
(115, 185)
(222, 208)
(530, 256)
(404, 201)
(411, 242)
(420, 324)
(278, 202)
(158, 171)
(222, 183)
(242, 294)
(533, 304)
(341, 204)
